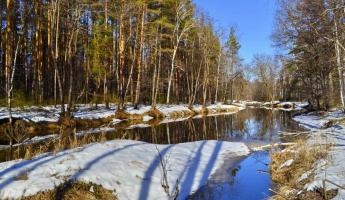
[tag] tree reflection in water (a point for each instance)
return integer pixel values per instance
(249, 124)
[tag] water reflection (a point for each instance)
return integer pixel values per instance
(247, 125)
(250, 125)
(242, 182)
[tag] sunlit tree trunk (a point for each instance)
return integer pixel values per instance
(122, 56)
(339, 63)
(8, 55)
(139, 59)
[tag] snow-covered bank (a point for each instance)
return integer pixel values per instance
(129, 168)
(83, 111)
(281, 105)
(327, 130)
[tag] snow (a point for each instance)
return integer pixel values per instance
(129, 168)
(279, 105)
(138, 126)
(270, 103)
(304, 176)
(116, 121)
(315, 121)
(331, 167)
(95, 130)
(168, 110)
(33, 113)
(85, 111)
(286, 164)
(98, 113)
(147, 118)
(140, 111)
(39, 139)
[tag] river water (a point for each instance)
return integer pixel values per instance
(241, 178)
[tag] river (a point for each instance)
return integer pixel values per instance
(241, 178)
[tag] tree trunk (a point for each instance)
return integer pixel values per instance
(153, 89)
(159, 69)
(339, 64)
(8, 42)
(105, 83)
(171, 73)
(139, 60)
(217, 78)
(121, 104)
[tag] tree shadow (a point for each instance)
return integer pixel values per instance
(146, 183)
(21, 165)
(99, 158)
(188, 180)
(187, 184)
(188, 174)
(73, 178)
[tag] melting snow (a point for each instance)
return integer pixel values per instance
(129, 168)
(332, 167)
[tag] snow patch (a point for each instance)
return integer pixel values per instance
(130, 168)
(286, 164)
(331, 167)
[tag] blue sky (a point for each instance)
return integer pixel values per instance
(253, 20)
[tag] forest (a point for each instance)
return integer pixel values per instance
(143, 52)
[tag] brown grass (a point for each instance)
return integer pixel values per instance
(123, 115)
(304, 156)
(181, 114)
(155, 113)
(204, 111)
(207, 111)
(31, 151)
(127, 123)
(226, 110)
(75, 191)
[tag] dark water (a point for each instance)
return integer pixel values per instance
(246, 180)
(237, 179)
(249, 126)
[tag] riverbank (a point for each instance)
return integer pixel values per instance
(92, 112)
(45, 120)
(130, 169)
(314, 168)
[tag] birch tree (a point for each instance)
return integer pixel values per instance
(183, 24)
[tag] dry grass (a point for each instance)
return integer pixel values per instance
(30, 151)
(226, 110)
(182, 114)
(204, 111)
(123, 115)
(67, 121)
(207, 111)
(75, 191)
(155, 113)
(304, 157)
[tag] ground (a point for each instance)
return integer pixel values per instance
(325, 146)
(131, 169)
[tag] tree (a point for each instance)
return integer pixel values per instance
(86, 51)
(232, 48)
(183, 24)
